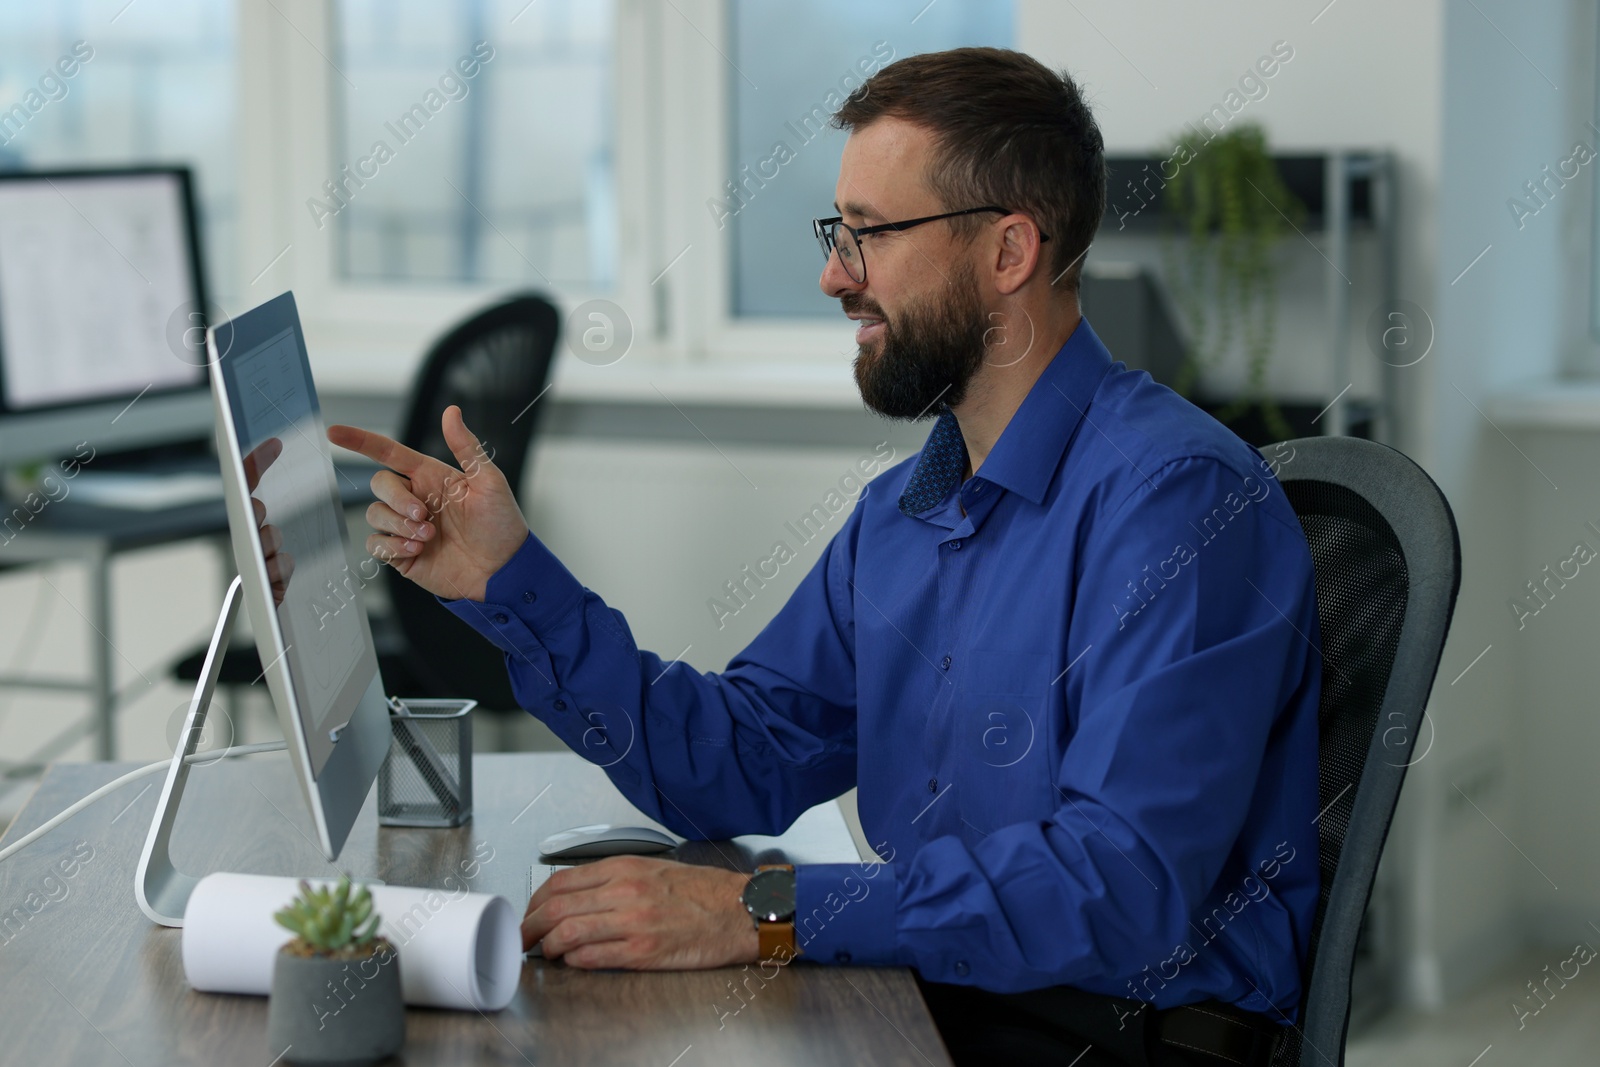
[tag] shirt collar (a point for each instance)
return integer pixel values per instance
(1025, 458)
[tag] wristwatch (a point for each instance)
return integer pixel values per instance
(769, 898)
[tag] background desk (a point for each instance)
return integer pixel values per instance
(71, 531)
(89, 980)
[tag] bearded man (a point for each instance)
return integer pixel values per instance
(1066, 653)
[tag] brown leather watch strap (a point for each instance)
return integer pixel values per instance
(776, 939)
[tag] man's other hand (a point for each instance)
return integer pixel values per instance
(446, 529)
(642, 914)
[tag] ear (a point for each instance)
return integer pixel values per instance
(1019, 255)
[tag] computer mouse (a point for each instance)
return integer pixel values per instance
(602, 839)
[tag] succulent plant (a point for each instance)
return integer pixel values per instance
(331, 920)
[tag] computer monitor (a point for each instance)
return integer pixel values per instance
(305, 607)
(102, 312)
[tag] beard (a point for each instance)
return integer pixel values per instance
(927, 354)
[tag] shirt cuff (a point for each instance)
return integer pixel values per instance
(845, 913)
(533, 586)
(524, 601)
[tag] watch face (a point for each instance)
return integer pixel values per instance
(769, 896)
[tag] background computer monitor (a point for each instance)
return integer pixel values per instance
(311, 630)
(102, 313)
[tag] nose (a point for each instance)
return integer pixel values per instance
(835, 282)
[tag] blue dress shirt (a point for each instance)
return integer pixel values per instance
(1078, 693)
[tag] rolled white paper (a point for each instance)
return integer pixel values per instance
(457, 949)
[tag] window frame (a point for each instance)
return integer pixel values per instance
(672, 153)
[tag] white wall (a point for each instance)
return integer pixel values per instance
(1500, 321)
(1552, 722)
(1575, 219)
(658, 530)
(1559, 730)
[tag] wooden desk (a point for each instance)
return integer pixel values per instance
(87, 979)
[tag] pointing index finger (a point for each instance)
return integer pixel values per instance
(377, 447)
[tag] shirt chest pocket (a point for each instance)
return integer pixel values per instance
(1001, 739)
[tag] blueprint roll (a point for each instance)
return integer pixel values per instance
(457, 949)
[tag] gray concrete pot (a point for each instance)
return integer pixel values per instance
(326, 1010)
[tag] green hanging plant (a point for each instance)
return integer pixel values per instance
(1228, 200)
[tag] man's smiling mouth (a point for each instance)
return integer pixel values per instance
(868, 327)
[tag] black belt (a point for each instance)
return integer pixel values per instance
(1123, 1029)
(1229, 1034)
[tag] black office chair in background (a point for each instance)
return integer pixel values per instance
(1388, 566)
(494, 365)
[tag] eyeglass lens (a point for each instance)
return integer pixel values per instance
(844, 242)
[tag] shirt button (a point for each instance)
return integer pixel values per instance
(944, 664)
(561, 705)
(841, 956)
(933, 785)
(501, 618)
(962, 969)
(529, 597)
(955, 546)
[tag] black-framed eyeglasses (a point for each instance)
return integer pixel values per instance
(850, 257)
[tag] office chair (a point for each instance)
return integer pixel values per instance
(1388, 566)
(494, 365)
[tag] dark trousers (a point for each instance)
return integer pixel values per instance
(1058, 1026)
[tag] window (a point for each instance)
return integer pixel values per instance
(148, 83)
(478, 141)
(791, 65)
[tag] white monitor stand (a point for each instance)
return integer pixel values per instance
(160, 887)
(163, 890)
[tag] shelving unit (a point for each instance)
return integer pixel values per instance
(1344, 192)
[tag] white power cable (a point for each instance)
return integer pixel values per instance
(113, 786)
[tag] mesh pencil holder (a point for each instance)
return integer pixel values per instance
(426, 777)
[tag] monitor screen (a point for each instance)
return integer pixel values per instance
(327, 646)
(102, 312)
(92, 269)
(290, 543)
(280, 434)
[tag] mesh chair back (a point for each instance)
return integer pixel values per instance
(1388, 566)
(494, 365)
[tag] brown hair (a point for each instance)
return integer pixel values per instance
(1008, 131)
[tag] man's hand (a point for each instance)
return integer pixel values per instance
(280, 565)
(448, 530)
(642, 914)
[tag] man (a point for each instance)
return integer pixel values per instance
(1067, 652)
